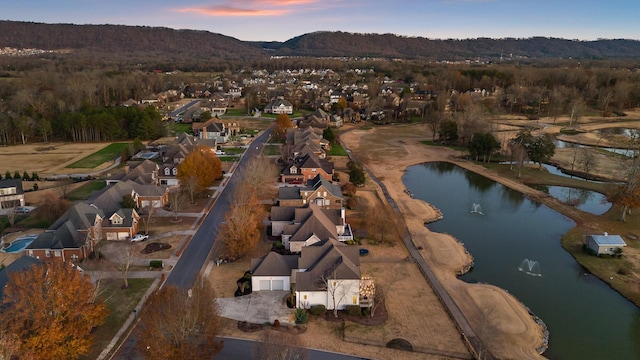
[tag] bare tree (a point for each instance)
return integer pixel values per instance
(382, 220)
(338, 289)
(176, 199)
(94, 236)
(518, 156)
(588, 161)
(125, 259)
(259, 172)
(150, 211)
(65, 188)
(9, 212)
(191, 187)
(277, 345)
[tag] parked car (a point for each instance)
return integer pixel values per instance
(139, 237)
(23, 210)
(220, 152)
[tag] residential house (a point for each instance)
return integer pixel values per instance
(605, 244)
(11, 193)
(216, 106)
(190, 141)
(304, 226)
(319, 191)
(327, 273)
(306, 167)
(212, 129)
(144, 195)
(167, 175)
(141, 172)
(279, 106)
(335, 121)
(69, 237)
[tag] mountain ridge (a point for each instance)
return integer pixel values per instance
(175, 43)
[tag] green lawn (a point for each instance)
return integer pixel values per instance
(99, 157)
(337, 150)
(85, 191)
(297, 113)
(233, 150)
(272, 150)
(236, 112)
(228, 158)
(120, 303)
(182, 128)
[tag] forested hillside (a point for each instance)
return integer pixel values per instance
(124, 40)
(389, 45)
(168, 44)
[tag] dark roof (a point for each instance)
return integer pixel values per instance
(17, 183)
(289, 192)
(313, 220)
(20, 264)
(282, 213)
(274, 264)
(327, 260)
(318, 181)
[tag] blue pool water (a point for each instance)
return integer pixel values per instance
(20, 244)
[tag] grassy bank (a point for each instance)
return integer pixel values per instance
(99, 157)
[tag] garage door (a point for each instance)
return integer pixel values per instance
(265, 285)
(277, 285)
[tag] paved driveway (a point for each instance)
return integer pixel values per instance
(259, 307)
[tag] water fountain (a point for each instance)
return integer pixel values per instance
(476, 209)
(530, 267)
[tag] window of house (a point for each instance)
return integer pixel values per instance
(174, 171)
(56, 253)
(116, 220)
(305, 297)
(166, 171)
(355, 299)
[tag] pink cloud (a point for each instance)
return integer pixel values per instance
(250, 8)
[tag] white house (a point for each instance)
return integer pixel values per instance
(279, 106)
(327, 273)
(605, 243)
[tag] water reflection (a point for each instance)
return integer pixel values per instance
(585, 200)
(576, 307)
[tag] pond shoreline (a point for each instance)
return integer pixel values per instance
(390, 158)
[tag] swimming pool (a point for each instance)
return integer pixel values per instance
(20, 244)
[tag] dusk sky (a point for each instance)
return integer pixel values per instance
(279, 20)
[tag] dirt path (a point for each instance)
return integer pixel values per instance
(501, 320)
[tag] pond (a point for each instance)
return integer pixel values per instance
(516, 246)
(569, 145)
(586, 200)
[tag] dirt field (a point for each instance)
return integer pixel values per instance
(47, 158)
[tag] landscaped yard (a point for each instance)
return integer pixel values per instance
(84, 192)
(236, 112)
(99, 157)
(337, 150)
(120, 303)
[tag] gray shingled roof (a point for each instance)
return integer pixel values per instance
(282, 213)
(330, 259)
(274, 264)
